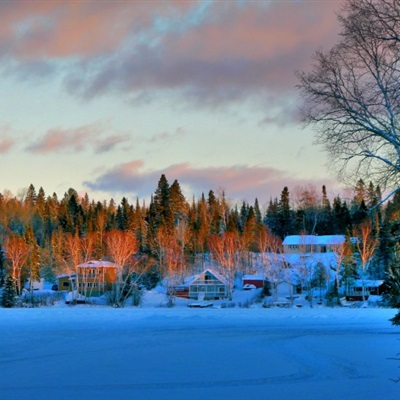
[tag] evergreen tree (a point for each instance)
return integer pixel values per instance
(162, 210)
(325, 225)
(285, 215)
(9, 295)
(178, 202)
(257, 212)
(31, 197)
(272, 216)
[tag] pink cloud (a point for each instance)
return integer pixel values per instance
(62, 28)
(235, 53)
(226, 53)
(6, 144)
(78, 139)
(239, 181)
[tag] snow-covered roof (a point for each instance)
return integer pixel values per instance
(212, 272)
(65, 276)
(314, 240)
(97, 264)
(368, 283)
(254, 277)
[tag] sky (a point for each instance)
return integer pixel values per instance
(105, 96)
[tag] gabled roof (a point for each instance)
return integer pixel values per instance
(314, 240)
(216, 275)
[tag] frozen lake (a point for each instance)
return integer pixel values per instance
(156, 353)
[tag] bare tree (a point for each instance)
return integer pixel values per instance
(366, 246)
(122, 246)
(352, 94)
(308, 200)
(226, 249)
(17, 251)
(342, 252)
(273, 264)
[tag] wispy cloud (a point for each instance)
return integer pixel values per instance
(167, 136)
(209, 54)
(238, 181)
(90, 136)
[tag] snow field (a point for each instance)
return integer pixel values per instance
(86, 352)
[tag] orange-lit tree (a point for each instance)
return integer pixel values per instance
(226, 250)
(366, 245)
(17, 252)
(122, 247)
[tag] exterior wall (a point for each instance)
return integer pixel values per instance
(304, 248)
(211, 291)
(94, 281)
(258, 283)
(64, 284)
(210, 285)
(285, 289)
(355, 292)
(297, 244)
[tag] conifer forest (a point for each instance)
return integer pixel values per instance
(43, 235)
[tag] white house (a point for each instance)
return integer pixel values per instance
(209, 285)
(303, 244)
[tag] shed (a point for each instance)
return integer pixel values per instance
(257, 280)
(66, 282)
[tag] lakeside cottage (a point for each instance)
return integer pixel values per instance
(209, 285)
(94, 278)
(302, 244)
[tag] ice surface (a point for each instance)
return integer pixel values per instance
(92, 352)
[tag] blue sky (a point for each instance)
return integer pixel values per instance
(106, 96)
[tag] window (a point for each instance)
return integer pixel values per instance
(65, 284)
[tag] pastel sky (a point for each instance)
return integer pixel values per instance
(105, 96)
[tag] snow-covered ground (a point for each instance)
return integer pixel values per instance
(92, 352)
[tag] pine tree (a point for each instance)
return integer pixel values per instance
(9, 295)
(31, 197)
(163, 216)
(285, 214)
(178, 204)
(257, 212)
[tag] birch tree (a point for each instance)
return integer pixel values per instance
(352, 94)
(17, 251)
(270, 248)
(366, 246)
(122, 246)
(226, 250)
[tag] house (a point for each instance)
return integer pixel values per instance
(303, 244)
(257, 280)
(371, 287)
(36, 284)
(94, 278)
(209, 283)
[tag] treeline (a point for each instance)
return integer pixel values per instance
(45, 221)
